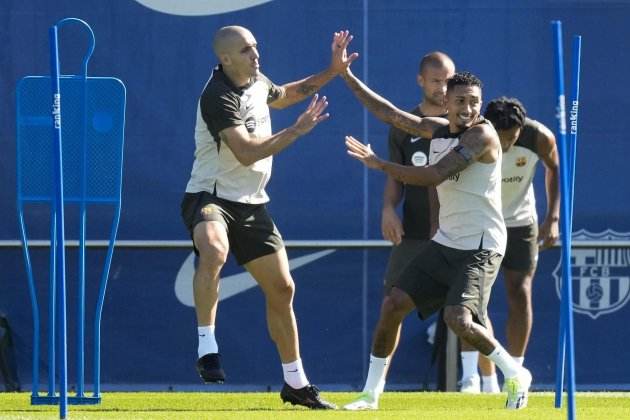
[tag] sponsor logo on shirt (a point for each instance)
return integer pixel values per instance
(419, 159)
(454, 178)
(512, 179)
(250, 124)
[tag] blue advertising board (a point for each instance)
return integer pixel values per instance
(162, 52)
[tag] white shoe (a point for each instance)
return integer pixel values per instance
(471, 385)
(517, 388)
(365, 401)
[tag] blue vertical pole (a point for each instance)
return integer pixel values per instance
(365, 335)
(567, 175)
(59, 239)
(576, 54)
(83, 222)
(556, 27)
(570, 186)
(82, 234)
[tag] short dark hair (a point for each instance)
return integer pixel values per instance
(505, 113)
(435, 59)
(463, 78)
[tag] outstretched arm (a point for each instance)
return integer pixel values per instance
(249, 149)
(476, 144)
(299, 90)
(548, 154)
(387, 112)
(406, 174)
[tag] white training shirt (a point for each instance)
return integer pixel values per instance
(216, 169)
(470, 201)
(518, 170)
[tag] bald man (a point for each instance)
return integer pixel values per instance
(224, 205)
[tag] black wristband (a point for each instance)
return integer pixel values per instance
(464, 152)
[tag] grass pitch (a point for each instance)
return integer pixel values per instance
(393, 405)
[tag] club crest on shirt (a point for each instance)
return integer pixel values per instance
(601, 276)
(419, 159)
(521, 161)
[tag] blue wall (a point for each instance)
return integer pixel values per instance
(317, 192)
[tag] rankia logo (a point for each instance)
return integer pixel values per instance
(56, 110)
(198, 7)
(601, 276)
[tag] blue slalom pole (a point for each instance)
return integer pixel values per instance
(567, 175)
(570, 187)
(59, 239)
(576, 54)
(556, 27)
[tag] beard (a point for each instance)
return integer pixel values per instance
(436, 100)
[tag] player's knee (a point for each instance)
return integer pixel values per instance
(458, 318)
(213, 254)
(394, 306)
(282, 293)
(520, 294)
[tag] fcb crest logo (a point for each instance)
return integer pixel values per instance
(601, 276)
(521, 161)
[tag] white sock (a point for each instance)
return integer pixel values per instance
(504, 361)
(519, 359)
(490, 383)
(375, 382)
(469, 363)
(294, 374)
(207, 341)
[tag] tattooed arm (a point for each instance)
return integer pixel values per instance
(297, 91)
(479, 143)
(387, 112)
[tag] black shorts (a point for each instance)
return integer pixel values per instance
(251, 232)
(401, 255)
(521, 253)
(441, 276)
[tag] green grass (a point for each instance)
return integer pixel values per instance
(393, 405)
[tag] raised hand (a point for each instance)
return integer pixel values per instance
(312, 116)
(340, 60)
(362, 152)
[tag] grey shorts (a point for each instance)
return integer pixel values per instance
(440, 275)
(251, 232)
(401, 255)
(521, 253)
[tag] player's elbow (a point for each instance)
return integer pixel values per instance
(245, 157)
(249, 160)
